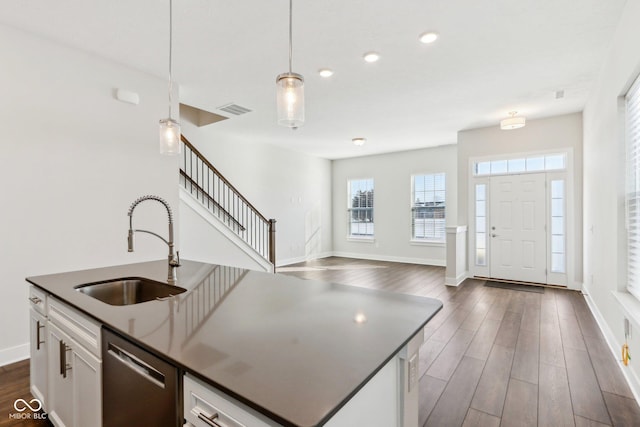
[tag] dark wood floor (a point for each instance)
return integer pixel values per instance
(491, 357)
(14, 384)
(497, 357)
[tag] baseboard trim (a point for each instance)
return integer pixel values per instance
(306, 258)
(420, 261)
(614, 345)
(456, 281)
(14, 354)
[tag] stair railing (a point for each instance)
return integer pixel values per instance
(201, 301)
(215, 192)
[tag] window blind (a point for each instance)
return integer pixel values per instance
(633, 188)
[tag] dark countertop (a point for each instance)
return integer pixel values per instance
(287, 347)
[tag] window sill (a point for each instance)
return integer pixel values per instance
(436, 243)
(361, 239)
(630, 305)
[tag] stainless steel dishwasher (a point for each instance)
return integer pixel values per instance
(138, 388)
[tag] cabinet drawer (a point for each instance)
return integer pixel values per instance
(202, 401)
(80, 327)
(38, 299)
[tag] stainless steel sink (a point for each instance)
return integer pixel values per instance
(129, 290)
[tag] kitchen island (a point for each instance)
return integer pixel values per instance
(294, 352)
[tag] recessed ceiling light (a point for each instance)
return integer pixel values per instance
(325, 72)
(371, 56)
(359, 141)
(360, 318)
(428, 37)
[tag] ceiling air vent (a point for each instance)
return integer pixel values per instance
(235, 109)
(198, 116)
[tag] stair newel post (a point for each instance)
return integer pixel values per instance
(272, 243)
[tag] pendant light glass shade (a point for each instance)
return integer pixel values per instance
(290, 99)
(169, 128)
(169, 137)
(290, 89)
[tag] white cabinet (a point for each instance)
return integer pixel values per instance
(38, 365)
(205, 406)
(60, 403)
(74, 368)
(38, 341)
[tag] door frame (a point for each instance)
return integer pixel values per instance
(563, 279)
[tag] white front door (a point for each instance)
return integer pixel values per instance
(518, 228)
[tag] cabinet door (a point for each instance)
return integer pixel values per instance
(87, 387)
(38, 363)
(60, 374)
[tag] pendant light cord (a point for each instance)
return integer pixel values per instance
(290, 33)
(170, 56)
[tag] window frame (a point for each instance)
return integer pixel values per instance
(632, 188)
(412, 207)
(350, 208)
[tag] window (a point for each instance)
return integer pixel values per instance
(558, 255)
(428, 208)
(481, 224)
(632, 101)
(360, 209)
(536, 163)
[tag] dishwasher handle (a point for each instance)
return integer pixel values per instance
(144, 369)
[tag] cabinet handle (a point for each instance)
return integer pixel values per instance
(209, 420)
(38, 342)
(35, 300)
(64, 367)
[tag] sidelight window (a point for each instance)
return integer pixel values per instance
(481, 224)
(558, 228)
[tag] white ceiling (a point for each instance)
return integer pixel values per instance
(492, 57)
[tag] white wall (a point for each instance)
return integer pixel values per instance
(604, 185)
(392, 215)
(291, 187)
(557, 133)
(73, 159)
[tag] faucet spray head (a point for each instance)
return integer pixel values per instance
(130, 241)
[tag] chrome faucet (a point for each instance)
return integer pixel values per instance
(174, 260)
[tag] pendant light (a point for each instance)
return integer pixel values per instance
(512, 122)
(290, 91)
(170, 128)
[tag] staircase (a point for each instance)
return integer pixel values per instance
(223, 201)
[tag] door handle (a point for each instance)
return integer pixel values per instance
(38, 327)
(494, 235)
(64, 367)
